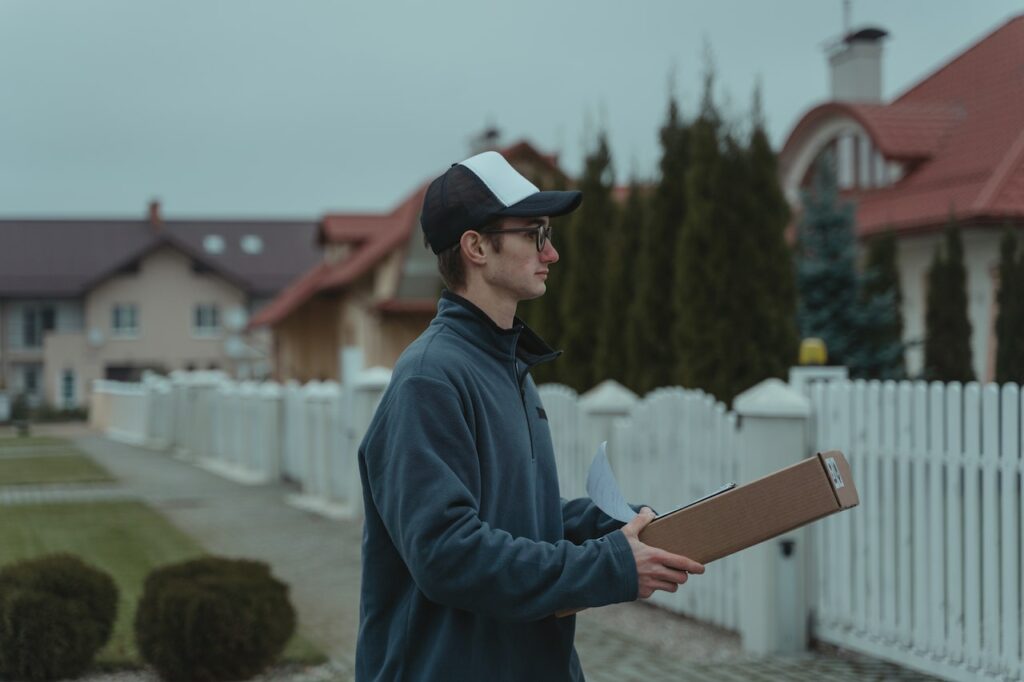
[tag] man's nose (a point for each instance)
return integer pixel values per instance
(549, 254)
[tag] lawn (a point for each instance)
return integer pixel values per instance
(126, 539)
(31, 442)
(49, 468)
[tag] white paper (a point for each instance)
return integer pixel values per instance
(604, 490)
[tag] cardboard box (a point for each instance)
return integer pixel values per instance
(757, 511)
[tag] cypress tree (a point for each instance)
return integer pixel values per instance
(585, 238)
(1010, 320)
(884, 299)
(651, 359)
(703, 290)
(947, 345)
(611, 356)
(773, 281)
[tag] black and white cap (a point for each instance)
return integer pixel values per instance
(476, 191)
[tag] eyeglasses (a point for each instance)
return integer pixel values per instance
(543, 233)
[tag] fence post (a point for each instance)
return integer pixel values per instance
(367, 390)
(773, 575)
(602, 406)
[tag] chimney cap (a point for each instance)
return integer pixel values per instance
(154, 212)
(868, 34)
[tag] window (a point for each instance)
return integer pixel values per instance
(206, 319)
(213, 243)
(252, 244)
(125, 320)
(36, 320)
(67, 389)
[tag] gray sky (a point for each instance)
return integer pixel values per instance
(297, 107)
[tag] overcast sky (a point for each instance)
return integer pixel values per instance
(253, 108)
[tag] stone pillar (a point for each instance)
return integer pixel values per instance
(773, 575)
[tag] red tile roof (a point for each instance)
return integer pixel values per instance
(962, 129)
(371, 237)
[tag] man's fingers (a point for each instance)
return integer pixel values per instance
(639, 522)
(679, 562)
(673, 576)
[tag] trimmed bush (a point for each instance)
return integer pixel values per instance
(213, 619)
(56, 612)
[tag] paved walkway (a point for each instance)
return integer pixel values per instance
(319, 558)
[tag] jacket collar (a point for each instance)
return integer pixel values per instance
(472, 323)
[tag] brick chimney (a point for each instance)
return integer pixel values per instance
(154, 214)
(856, 66)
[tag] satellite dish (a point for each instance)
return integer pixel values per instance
(96, 337)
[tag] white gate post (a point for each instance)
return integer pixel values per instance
(773, 574)
(602, 406)
(367, 390)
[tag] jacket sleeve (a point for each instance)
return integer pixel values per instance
(421, 467)
(583, 520)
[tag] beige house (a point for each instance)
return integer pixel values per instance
(85, 300)
(374, 290)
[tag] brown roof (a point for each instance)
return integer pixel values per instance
(962, 131)
(372, 236)
(66, 258)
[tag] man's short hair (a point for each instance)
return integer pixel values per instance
(450, 264)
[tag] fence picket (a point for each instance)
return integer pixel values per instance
(972, 526)
(887, 510)
(935, 519)
(922, 575)
(990, 528)
(1009, 544)
(954, 523)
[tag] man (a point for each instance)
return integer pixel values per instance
(468, 550)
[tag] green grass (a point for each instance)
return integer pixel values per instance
(51, 468)
(126, 539)
(32, 441)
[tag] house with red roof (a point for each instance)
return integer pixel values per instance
(86, 299)
(375, 288)
(949, 148)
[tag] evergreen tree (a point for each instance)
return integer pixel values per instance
(585, 238)
(773, 291)
(610, 357)
(735, 295)
(831, 305)
(947, 345)
(703, 295)
(884, 298)
(650, 358)
(1010, 321)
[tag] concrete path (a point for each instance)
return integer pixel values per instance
(319, 558)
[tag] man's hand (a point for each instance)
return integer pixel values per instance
(656, 569)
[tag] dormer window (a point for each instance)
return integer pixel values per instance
(213, 244)
(252, 244)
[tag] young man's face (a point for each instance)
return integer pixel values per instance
(519, 269)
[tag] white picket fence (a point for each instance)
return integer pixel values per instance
(675, 446)
(928, 571)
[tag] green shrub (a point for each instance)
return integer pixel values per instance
(56, 612)
(213, 619)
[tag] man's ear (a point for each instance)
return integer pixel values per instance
(472, 245)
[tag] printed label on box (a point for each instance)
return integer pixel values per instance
(833, 471)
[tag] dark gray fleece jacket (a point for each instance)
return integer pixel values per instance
(468, 550)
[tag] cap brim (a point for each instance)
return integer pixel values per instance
(545, 203)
